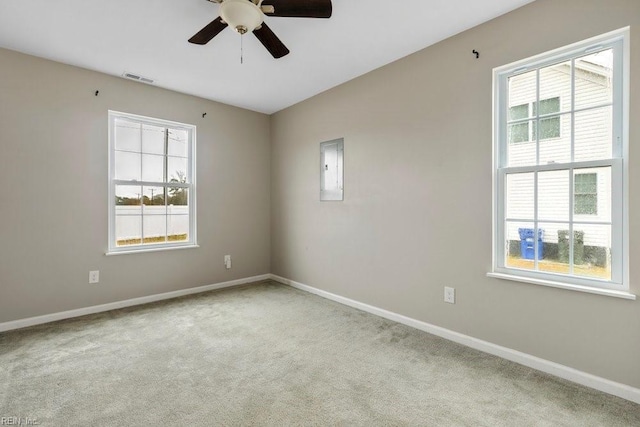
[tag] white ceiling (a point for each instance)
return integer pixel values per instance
(149, 38)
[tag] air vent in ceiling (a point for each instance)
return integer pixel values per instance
(136, 77)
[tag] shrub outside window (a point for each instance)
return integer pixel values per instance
(560, 167)
(151, 185)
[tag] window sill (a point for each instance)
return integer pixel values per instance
(145, 250)
(579, 288)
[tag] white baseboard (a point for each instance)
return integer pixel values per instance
(31, 321)
(602, 384)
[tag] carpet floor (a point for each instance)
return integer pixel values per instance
(268, 354)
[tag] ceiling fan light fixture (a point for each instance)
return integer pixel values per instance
(241, 15)
(246, 16)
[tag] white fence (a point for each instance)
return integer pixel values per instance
(154, 221)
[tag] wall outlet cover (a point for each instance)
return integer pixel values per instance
(94, 276)
(449, 295)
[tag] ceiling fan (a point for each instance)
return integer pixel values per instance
(246, 16)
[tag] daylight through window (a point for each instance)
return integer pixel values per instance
(560, 149)
(151, 183)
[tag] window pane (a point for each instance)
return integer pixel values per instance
(586, 194)
(128, 215)
(553, 195)
(128, 229)
(127, 135)
(555, 88)
(128, 195)
(152, 168)
(520, 245)
(519, 132)
(586, 183)
(592, 251)
(594, 79)
(153, 196)
(546, 128)
(586, 204)
(555, 255)
(520, 196)
(592, 194)
(152, 139)
(522, 93)
(177, 227)
(178, 215)
(547, 106)
(154, 223)
(177, 196)
(178, 140)
(127, 166)
(520, 151)
(519, 112)
(555, 139)
(594, 134)
(177, 169)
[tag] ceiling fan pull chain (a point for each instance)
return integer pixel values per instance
(241, 50)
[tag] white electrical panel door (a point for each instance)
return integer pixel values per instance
(332, 170)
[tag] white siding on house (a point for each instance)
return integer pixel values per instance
(592, 140)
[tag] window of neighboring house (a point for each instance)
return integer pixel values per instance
(151, 183)
(560, 205)
(522, 129)
(586, 194)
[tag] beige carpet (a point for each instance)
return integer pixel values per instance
(268, 354)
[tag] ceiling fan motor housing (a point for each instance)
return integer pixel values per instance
(241, 15)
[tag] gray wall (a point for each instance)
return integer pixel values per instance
(417, 209)
(53, 208)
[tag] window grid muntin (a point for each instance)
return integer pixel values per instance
(618, 247)
(502, 87)
(189, 185)
(614, 164)
(166, 205)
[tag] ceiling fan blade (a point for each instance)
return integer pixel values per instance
(210, 31)
(273, 44)
(300, 9)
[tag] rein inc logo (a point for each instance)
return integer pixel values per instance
(19, 421)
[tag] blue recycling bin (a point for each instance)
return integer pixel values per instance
(527, 250)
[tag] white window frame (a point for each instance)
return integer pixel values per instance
(619, 284)
(190, 185)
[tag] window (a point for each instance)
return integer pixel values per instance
(151, 184)
(560, 146)
(522, 130)
(586, 194)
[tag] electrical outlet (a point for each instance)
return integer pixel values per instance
(227, 262)
(449, 295)
(94, 276)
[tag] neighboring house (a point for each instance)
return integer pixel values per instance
(591, 186)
